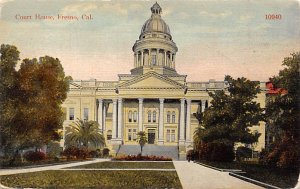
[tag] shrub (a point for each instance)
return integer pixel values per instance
(53, 149)
(105, 152)
(139, 157)
(95, 153)
(243, 152)
(75, 153)
(34, 156)
(216, 151)
(284, 154)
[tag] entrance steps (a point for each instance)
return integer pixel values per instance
(150, 149)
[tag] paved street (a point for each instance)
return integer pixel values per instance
(195, 176)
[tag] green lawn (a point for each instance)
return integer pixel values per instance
(93, 179)
(284, 178)
(128, 165)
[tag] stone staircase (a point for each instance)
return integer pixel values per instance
(150, 149)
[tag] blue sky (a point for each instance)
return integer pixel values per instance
(214, 38)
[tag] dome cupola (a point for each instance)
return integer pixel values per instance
(155, 49)
(155, 23)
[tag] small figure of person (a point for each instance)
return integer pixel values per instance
(188, 157)
(193, 156)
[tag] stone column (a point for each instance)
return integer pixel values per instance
(182, 122)
(174, 61)
(120, 118)
(150, 58)
(114, 120)
(188, 122)
(157, 53)
(140, 114)
(161, 122)
(202, 105)
(100, 108)
(142, 60)
(165, 60)
(135, 62)
(104, 116)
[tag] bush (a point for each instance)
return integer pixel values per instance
(243, 152)
(53, 149)
(216, 151)
(139, 157)
(284, 154)
(105, 152)
(75, 153)
(95, 153)
(34, 156)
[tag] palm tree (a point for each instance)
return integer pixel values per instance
(198, 137)
(83, 133)
(142, 139)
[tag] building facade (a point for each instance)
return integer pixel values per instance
(154, 98)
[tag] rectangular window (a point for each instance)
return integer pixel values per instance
(86, 114)
(134, 116)
(130, 116)
(149, 117)
(173, 135)
(71, 114)
(131, 134)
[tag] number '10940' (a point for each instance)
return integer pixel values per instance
(273, 16)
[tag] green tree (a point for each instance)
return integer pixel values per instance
(31, 99)
(83, 133)
(142, 139)
(283, 114)
(231, 114)
(8, 92)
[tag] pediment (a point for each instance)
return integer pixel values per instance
(74, 85)
(151, 80)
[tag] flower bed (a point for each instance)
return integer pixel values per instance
(139, 157)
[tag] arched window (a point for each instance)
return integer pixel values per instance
(109, 135)
(168, 117)
(134, 116)
(149, 116)
(173, 117)
(130, 116)
(154, 116)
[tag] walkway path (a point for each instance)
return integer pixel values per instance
(195, 176)
(191, 175)
(50, 167)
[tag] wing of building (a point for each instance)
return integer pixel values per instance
(154, 98)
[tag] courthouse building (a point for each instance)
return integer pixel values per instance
(154, 98)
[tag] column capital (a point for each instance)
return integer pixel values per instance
(182, 100)
(188, 100)
(100, 100)
(161, 100)
(114, 100)
(120, 99)
(141, 100)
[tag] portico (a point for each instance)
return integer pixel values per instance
(152, 115)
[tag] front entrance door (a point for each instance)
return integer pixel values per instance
(151, 136)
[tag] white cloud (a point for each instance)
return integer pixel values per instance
(215, 15)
